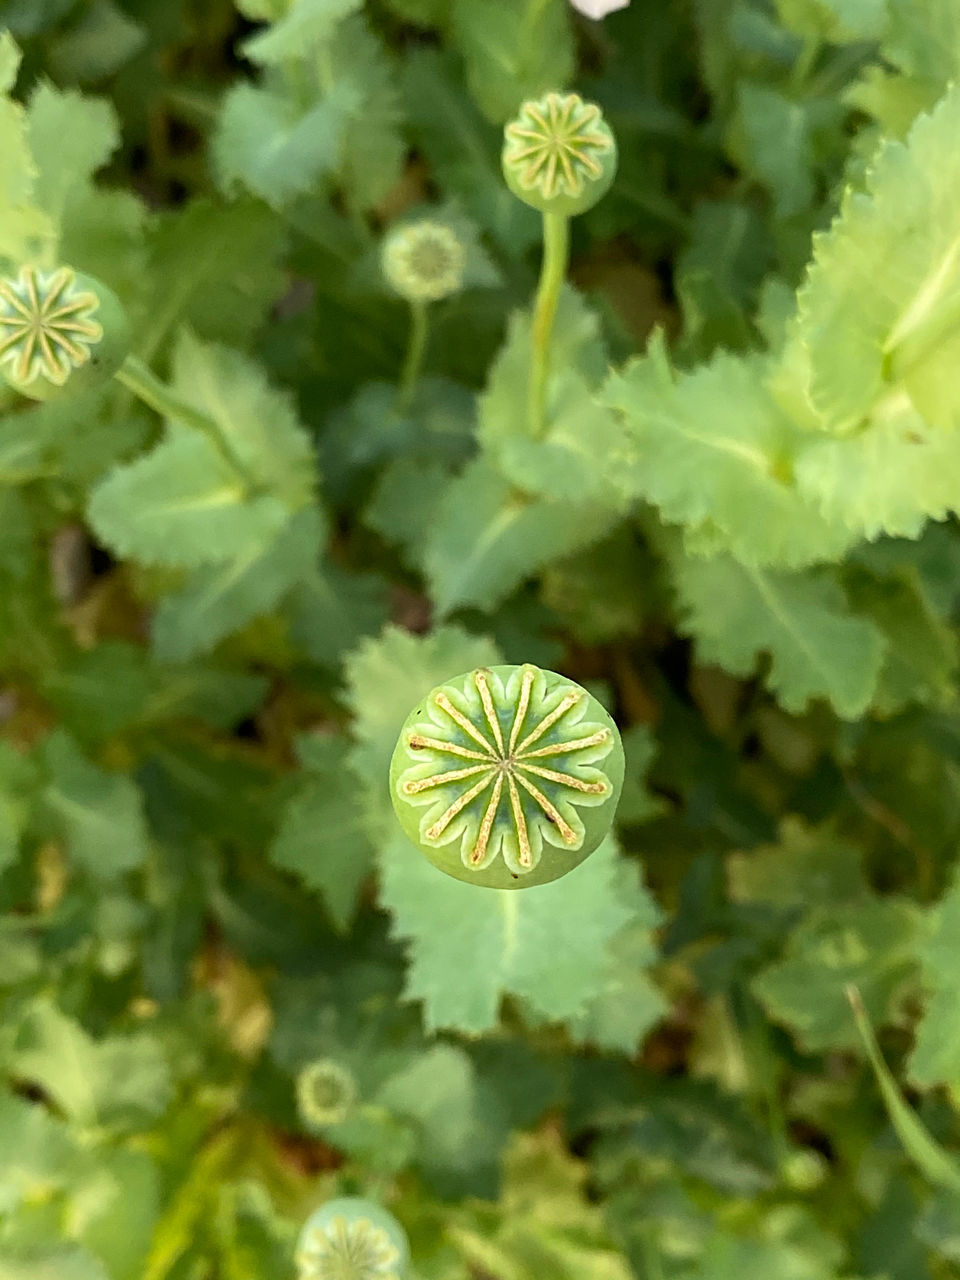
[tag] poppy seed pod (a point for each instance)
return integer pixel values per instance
(423, 261)
(352, 1239)
(507, 776)
(59, 328)
(559, 155)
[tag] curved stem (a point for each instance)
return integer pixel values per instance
(556, 254)
(416, 349)
(139, 379)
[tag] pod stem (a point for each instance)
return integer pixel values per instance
(553, 271)
(416, 349)
(142, 382)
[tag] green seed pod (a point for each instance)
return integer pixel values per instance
(559, 155)
(507, 776)
(352, 1239)
(424, 261)
(326, 1092)
(804, 1171)
(58, 327)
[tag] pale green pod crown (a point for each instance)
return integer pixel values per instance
(57, 326)
(326, 1092)
(352, 1239)
(508, 776)
(559, 155)
(424, 261)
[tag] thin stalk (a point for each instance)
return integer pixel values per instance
(926, 1153)
(142, 382)
(416, 349)
(553, 271)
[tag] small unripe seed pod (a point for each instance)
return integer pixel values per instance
(326, 1092)
(507, 776)
(352, 1239)
(559, 155)
(57, 328)
(804, 1171)
(424, 261)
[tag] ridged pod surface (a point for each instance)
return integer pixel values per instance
(352, 1239)
(508, 776)
(559, 155)
(58, 329)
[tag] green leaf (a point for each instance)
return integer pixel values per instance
(102, 40)
(870, 946)
(777, 146)
(219, 599)
(115, 687)
(550, 946)
(220, 268)
(488, 537)
(38, 1150)
(514, 49)
(98, 814)
(183, 504)
(936, 1052)
(808, 866)
(712, 447)
(463, 151)
(295, 36)
(257, 422)
(817, 647)
(887, 479)
(324, 837)
(627, 1005)
(17, 784)
(728, 1258)
(268, 144)
(21, 221)
(374, 148)
(921, 649)
(877, 312)
(10, 57)
(837, 21)
(62, 1262)
(71, 136)
(437, 1092)
(385, 677)
(119, 1080)
(717, 275)
(331, 610)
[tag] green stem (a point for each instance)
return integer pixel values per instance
(553, 271)
(651, 1255)
(805, 63)
(926, 1153)
(416, 349)
(142, 382)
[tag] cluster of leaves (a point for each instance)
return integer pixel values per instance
(212, 626)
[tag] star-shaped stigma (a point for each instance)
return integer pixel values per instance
(345, 1250)
(505, 795)
(555, 144)
(46, 324)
